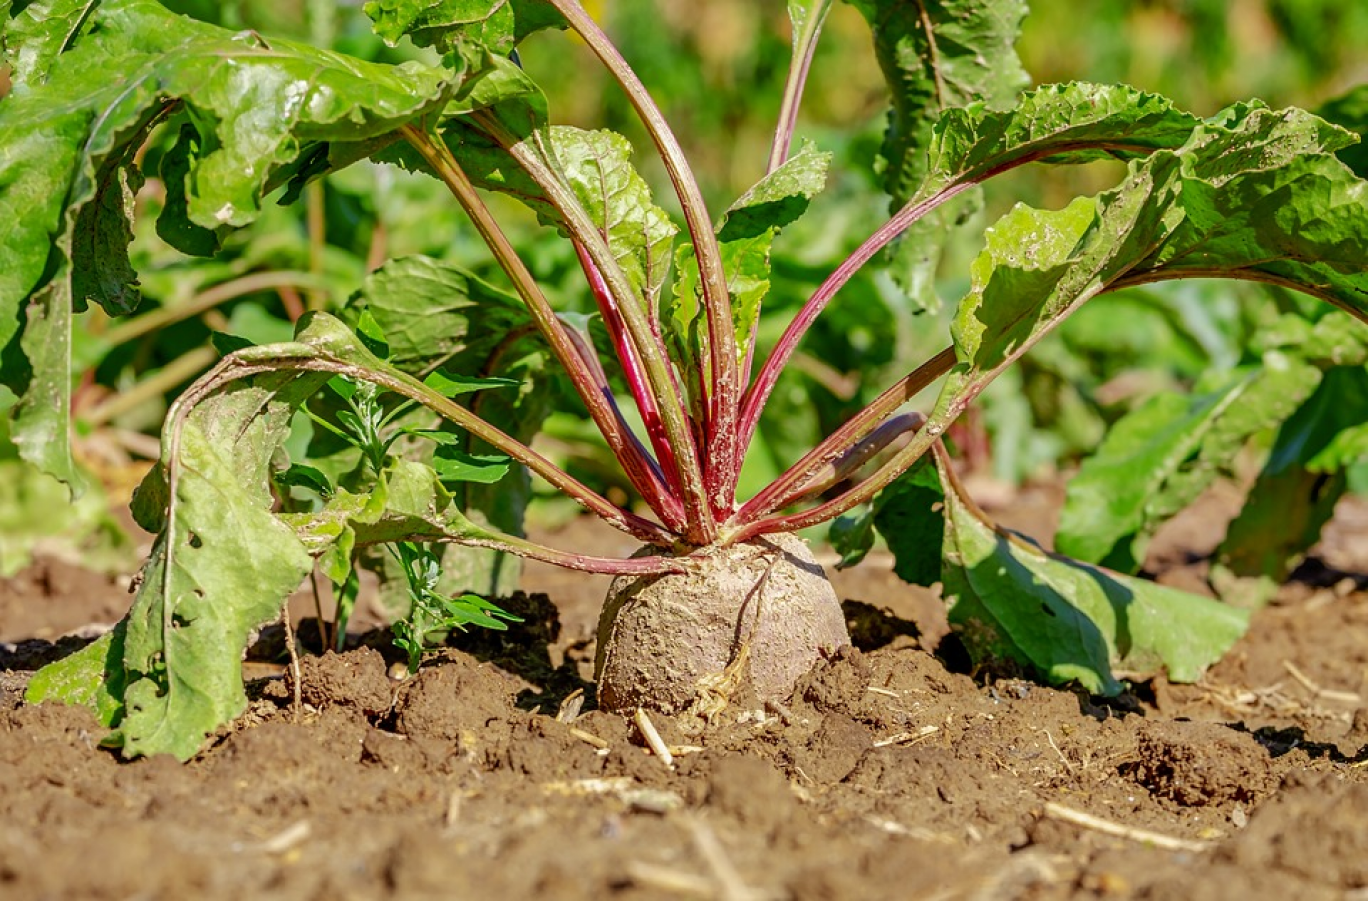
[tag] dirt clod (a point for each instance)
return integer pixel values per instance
(1200, 764)
(752, 792)
(357, 681)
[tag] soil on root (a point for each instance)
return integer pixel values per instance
(887, 774)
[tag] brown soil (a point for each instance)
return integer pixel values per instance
(889, 774)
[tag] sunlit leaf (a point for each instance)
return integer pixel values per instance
(1156, 460)
(1253, 194)
(1070, 622)
(496, 25)
(936, 56)
(92, 677)
(94, 80)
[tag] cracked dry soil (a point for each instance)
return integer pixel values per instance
(891, 773)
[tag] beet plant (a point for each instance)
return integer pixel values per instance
(671, 371)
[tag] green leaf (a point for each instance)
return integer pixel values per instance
(495, 25)
(222, 567)
(436, 314)
(1327, 433)
(1160, 456)
(1350, 110)
(598, 167)
(372, 335)
(1067, 123)
(595, 165)
(1060, 123)
(745, 236)
(1034, 265)
(81, 105)
(1254, 194)
(778, 199)
(1068, 621)
(852, 536)
(505, 95)
(174, 225)
(801, 12)
(937, 55)
(302, 475)
(1280, 521)
(38, 514)
(42, 423)
(748, 230)
(910, 515)
(223, 563)
(408, 503)
(101, 235)
(1295, 493)
(450, 384)
(1334, 339)
(92, 677)
(43, 30)
(453, 465)
(225, 343)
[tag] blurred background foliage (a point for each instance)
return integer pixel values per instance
(717, 68)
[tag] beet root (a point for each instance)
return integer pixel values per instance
(762, 612)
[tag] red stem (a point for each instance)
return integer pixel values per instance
(721, 463)
(605, 416)
(788, 488)
(632, 370)
(759, 392)
(640, 467)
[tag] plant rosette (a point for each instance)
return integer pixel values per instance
(708, 606)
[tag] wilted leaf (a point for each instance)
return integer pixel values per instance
(223, 568)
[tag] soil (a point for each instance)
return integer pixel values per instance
(891, 772)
